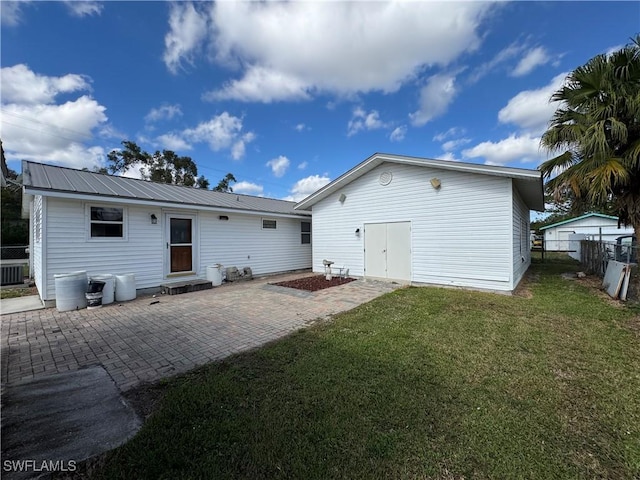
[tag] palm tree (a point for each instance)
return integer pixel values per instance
(596, 130)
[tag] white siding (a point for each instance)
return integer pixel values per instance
(521, 239)
(556, 238)
(461, 233)
(37, 217)
(143, 250)
(242, 242)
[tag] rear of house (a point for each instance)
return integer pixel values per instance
(162, 233)
(427, 221)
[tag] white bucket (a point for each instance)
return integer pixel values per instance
(109, 290)
(70, 289)
(214, 274)
(125, 287)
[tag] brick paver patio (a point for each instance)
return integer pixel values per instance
(137, 342)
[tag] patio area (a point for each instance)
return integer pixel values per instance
(150, 338)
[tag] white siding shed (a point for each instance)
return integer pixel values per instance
(595, 226)
(427, 221)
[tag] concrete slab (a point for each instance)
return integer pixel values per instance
(60, 420)
(20, 304)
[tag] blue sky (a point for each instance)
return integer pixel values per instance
(288, 96)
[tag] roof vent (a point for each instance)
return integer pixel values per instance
(385, 178)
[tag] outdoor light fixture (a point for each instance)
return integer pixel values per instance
(357, 232)
(342, 198)
(223, 217)
(154, 219)
(435, 183)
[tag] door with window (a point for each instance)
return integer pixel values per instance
(180, 244)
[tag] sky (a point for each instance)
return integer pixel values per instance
(287, 96)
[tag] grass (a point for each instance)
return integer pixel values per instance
(421, 383)
(15, 292)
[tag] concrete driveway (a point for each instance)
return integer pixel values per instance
(142, 341)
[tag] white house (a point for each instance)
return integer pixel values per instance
(427, 221)
(595, 226)
(82, 220)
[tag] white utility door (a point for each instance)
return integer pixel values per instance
(387, 250)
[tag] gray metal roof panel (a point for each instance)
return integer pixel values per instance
(38, 176)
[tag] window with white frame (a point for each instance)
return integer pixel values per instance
(305, 233)
(268, 224)
(106, 222)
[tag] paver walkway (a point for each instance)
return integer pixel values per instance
(137, 341)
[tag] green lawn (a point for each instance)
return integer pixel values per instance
(421, 383)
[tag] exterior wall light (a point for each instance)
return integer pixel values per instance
(435, 183)
(342, 198)
(154, 219)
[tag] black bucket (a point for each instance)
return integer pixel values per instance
(95, 286)
(94, 300)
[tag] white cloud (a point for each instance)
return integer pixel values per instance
(222, 132)
(261, 85)
(34, 127)
(172, 141)
(500, 58)
(21, 85)
(248, 188)
(452, 132)
(279, 165)
(449, 156)
(531, 109)
(306, 186)
(83, 8)
(454, 144)
(534, 58)
(435, 98)
(292, 50)
(188, 29)
(300, 127)
(10, 12)
(303, 165)
(361, 120)
(164, 112)
(398, 133)
(520, 149)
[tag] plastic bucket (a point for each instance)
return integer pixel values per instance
(214, 274)
(125, 287)
(70, 289)
(94, 300)
(109, 290)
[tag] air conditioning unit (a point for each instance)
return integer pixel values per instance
(11, 275)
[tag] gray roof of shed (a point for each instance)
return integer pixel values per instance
(41, 179)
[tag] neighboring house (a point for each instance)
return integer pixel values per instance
(163, 233)
(427, 221)
(595, 226)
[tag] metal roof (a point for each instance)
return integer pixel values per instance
(528, 182)
(586, 215)
(42, 179)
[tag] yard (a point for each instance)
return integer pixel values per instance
(420, 383)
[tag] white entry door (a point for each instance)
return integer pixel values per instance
(387, 250)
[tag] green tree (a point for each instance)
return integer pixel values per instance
(13, 228)
(224, 184)
(163, 167)
(596, 130)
